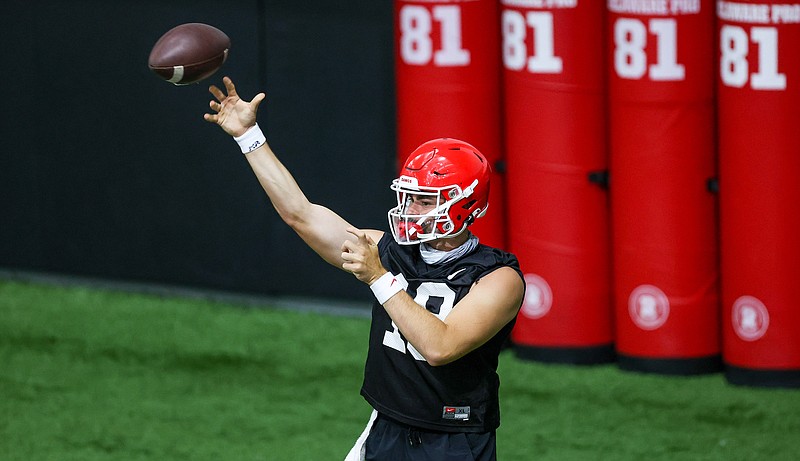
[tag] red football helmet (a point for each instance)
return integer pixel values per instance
(454, 177)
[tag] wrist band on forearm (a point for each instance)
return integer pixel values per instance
(387, 286)
(251, 140)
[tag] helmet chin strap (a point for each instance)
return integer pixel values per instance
(444, 206)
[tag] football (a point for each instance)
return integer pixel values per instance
(189, 53)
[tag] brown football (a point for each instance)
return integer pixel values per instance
(189, 53)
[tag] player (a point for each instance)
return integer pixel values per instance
(444, 305)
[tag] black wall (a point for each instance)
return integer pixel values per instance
(107, 171)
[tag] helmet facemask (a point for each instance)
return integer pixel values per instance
(409, 228)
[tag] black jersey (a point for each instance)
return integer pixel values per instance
(460, 396)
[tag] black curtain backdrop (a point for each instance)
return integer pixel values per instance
(108, 172)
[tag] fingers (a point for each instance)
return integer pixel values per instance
(229, 86)
(356, 251)
(256, 101)
(216, 92)
(352, 255)
(351, 261)
(360, 256)
(348, 246)
(362, 236)
(215, 106)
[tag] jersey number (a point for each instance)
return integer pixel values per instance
(427, 291)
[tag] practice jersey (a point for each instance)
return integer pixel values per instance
(461, 396)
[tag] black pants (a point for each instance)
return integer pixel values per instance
(389, 440)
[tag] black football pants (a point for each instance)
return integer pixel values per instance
(389, 440)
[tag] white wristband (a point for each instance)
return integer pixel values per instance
(387, 286)
(251, 140)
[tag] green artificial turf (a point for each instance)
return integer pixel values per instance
(88, 374)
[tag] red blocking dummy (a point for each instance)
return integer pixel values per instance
(664, 238)
(555, 136)
(447, 61)
(758, 101)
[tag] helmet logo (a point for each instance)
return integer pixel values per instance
(408, 181)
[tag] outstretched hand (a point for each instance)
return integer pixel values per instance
(233, 114)
(361, 257)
